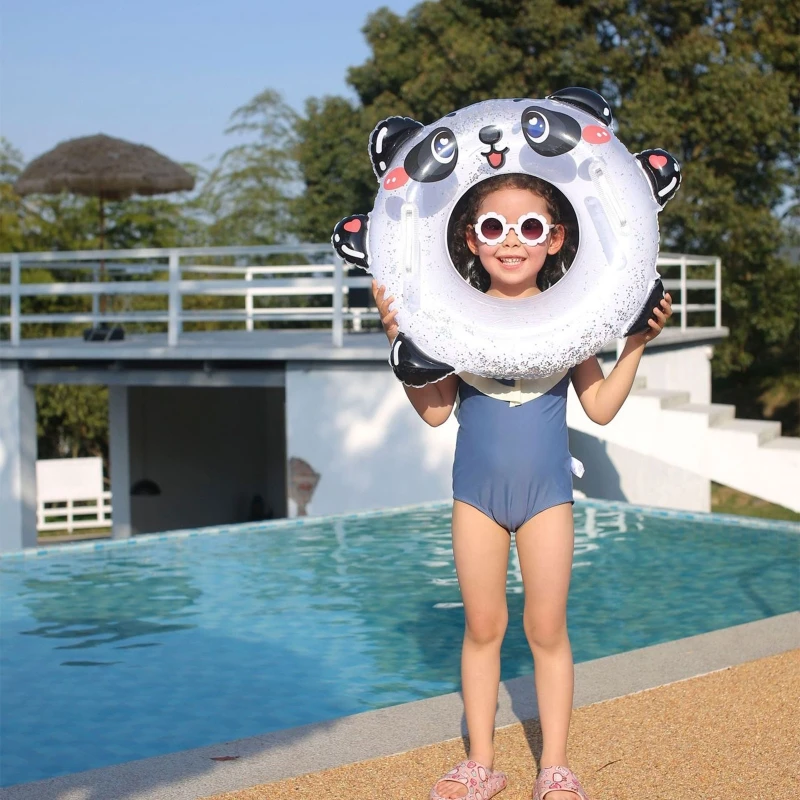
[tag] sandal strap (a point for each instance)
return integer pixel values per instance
(479, 780)
(556, 778)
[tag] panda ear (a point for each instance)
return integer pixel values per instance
(412, 366)
(640, 324)
(350, 240)
(663, 172)
(387, 138)
(586, 100)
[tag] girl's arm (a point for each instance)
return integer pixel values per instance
(601, 397)
(434, 401)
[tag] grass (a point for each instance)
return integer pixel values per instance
(725, 500)
(75, 536)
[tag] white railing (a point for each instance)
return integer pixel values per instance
(74, 514)
(323, 275)
(683, 284)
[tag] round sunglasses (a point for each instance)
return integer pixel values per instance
(531, 228)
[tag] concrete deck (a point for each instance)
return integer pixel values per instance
(312, 344)
(729, 734)
(651, 735)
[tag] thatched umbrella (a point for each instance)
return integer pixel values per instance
(103, 167)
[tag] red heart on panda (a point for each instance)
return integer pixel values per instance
(354, 226)
(657, 161)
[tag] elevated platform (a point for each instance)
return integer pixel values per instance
(262, 346)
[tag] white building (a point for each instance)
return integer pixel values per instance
(227, 426)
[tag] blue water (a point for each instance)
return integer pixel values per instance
(130, 651)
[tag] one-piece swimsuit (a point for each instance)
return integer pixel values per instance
(512, 458)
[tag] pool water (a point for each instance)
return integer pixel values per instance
(120, 652)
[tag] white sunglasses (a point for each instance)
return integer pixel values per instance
(531, 228)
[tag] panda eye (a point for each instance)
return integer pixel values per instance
(443, 148)
(434, 158)
(548, 132)
(537, 127)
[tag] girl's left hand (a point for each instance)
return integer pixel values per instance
(657, 325)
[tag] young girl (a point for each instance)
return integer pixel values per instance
(515, 237)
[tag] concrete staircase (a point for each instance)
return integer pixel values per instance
(708, 440)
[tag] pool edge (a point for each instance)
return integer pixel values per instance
(708, 518)
(192, 774)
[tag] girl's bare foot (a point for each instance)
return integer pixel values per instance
(451, 789)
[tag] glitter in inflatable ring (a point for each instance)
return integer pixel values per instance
(447, 325)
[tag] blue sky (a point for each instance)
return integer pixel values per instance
(167, 73)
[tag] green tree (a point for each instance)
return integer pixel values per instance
(246, 197)
(72, 421)
(716, 83)
(332, 154)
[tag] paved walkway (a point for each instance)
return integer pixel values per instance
(729, 734)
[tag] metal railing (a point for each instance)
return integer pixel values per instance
(683, 284)
(74, 514)
(322, 275)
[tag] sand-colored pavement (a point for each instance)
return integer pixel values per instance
(722, 736)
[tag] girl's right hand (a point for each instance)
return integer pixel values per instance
(387, 316)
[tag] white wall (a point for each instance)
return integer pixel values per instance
(676, 368)
(119, 461)
(617, 473)
(17, 461)
(614, 472)
(210, 450)
(355, 426)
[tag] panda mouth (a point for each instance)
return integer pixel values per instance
(496, 158)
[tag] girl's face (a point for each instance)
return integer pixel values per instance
(513, 264)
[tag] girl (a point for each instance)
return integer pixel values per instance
(516, 236)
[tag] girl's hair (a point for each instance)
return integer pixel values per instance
(466, 212)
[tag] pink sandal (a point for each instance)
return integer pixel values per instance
(481, 783)
(553, 779)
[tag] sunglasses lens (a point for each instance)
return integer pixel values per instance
(492, 228)
(532, 228)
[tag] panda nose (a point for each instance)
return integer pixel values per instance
(490, 134)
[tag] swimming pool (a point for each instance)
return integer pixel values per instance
(117, 651)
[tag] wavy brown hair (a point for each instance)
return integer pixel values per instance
(466, 212)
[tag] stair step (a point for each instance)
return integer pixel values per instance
(668, 398)
(784, 443)
(762, 429)
(716, 412)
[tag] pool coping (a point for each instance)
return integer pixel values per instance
(237, 765)
(708, 518)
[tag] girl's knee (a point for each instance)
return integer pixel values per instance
(486, 629)
(545, 634)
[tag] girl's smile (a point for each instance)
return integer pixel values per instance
(513, 263)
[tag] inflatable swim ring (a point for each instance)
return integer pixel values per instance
(447, 325)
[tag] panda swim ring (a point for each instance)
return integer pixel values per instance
(449, 326)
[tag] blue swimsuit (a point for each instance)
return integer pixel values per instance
(512, 462)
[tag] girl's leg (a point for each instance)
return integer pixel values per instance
(545, 546)
(480, 547)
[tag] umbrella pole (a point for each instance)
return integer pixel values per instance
(102, 247)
